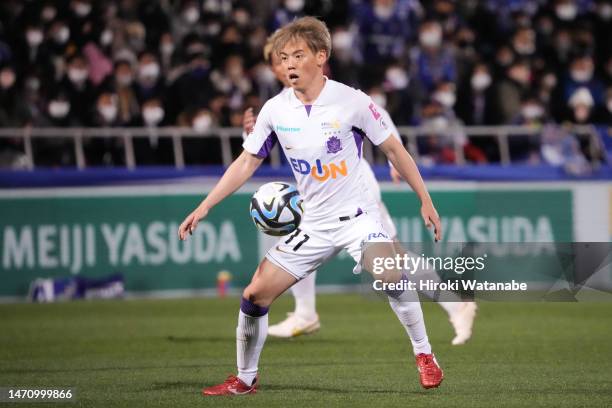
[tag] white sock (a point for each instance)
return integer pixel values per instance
(250, 337)
(409, 313)
(304, 294)
(451, 307)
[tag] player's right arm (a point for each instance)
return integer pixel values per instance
(234, 177)
(256, 148)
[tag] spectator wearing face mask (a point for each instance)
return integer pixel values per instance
(445, 95)
(476, 97)
(80, 91)
(58, 38)
(581, 107)
(531, 113)
(444, 130)
(404, 94)
(80, 17)
(432, 61)
(510, 89)
(202, 150)
(525, 148)
(342, 61)
(56, 151)
(581, 74)
(153, 149)
(122, 81)
(149, 82)
(60, 110)
(583, 111)
(191, 19)
(106, 40)
(105, 151)
(476, 107)
(153, 114)
(565, 12)
(33, 51)
(107, 110)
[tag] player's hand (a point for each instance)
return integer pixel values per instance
(191, 222)
(431, 217)
(395, 176)
(248, 121)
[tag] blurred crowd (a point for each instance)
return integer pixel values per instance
(198, 63)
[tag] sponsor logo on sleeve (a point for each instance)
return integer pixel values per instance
(374, 111)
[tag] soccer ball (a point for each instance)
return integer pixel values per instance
(276, 208)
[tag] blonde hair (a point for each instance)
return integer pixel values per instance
(313, 31)
(269, 47)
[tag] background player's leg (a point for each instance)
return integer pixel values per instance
(269, 282)
(304, 319)
(305, 298)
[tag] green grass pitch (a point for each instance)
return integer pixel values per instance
(160, 353)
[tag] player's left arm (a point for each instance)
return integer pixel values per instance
(407, 168)
(395, 176)
(375, 126)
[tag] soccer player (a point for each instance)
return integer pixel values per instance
(320, 124)
(305, 319)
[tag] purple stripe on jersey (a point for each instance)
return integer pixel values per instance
(359, 136)
(308, 107)
(267, 146)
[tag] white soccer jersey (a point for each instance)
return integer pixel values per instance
(323, 144)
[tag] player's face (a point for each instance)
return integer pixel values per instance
(279, 70)
(302, 65)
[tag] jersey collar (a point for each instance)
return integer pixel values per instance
(323, 98)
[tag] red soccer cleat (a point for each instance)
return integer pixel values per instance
(430, 372)
(232, 386)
